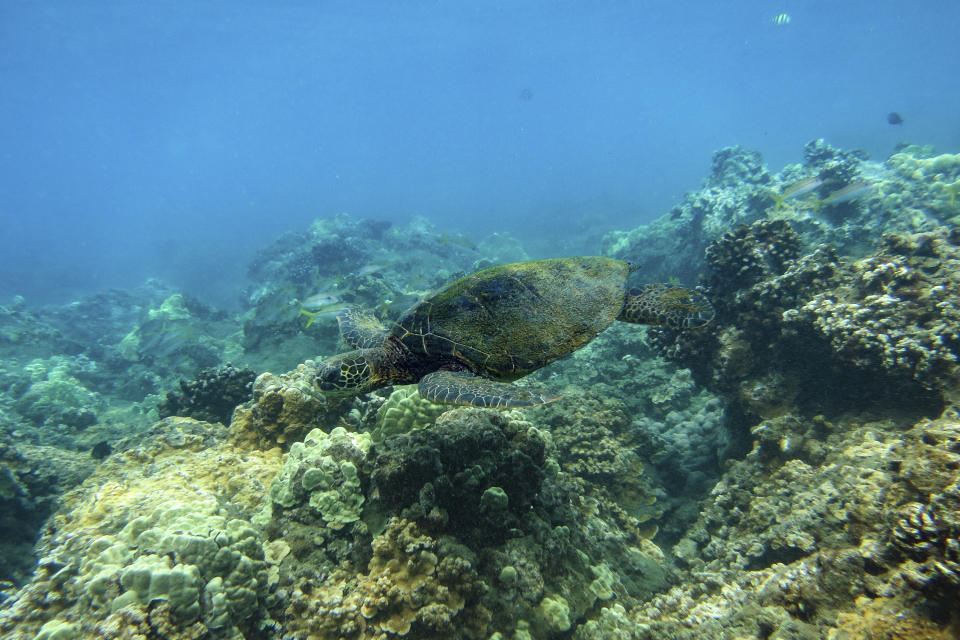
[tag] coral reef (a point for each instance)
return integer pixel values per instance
(791, 471)
(414, 586)
(212, 396)
(284, 408)
(55, 399)
(809, 333)
(404, 411)
(897, 310)
(353, 262)
(177, 337)
(836, 167)
(597, 443)
(88, 393)
(180, 535)
(924, 186)
(913, 191)
(318, 497)
(484, 499)
(822, 546)
(736, 191)
(32, 479)
(464, 473)
(24, 334)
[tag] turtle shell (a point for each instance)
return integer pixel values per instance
(507, 321)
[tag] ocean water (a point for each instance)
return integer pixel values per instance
(239, 400)
(172, 139)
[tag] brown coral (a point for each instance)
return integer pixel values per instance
(897, 311)
(887, 619)
(408, 587)
(284, 408)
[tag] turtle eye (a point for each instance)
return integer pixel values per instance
(329, 379)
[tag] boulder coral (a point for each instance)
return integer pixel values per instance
(127, 540)
(284, 409)
(318, 497)
(405, 411)
(926, 185)
(441, 475)
(413, 586)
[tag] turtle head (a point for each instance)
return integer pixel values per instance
(350, 374)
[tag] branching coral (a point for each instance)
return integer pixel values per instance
(212, 396)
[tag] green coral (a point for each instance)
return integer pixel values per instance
(924, 185)
(173, 308)
(57, 630)
(604, 579)
(165, 327)
(494, 499)
(316, 476)
(405, 411)
(554, 614)
(203, 564)
(56, 397)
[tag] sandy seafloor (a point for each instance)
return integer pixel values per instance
(790, 471)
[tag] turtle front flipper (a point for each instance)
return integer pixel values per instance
(463, 388)
(667, 305)
(361, 329)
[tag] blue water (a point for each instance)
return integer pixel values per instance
(174, 139)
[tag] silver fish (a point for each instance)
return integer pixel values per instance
(850, 192)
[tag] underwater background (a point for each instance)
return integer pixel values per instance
(192, 193)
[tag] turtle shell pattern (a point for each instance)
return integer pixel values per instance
(507, 321)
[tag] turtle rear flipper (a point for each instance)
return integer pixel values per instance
(667, 305)
(361, 329)
(463, 388)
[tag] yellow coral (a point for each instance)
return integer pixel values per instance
(406, 586)
(885, 619)
(135, 536)
(284, 408)
(405, 411)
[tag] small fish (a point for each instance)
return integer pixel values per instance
(850, 192)
(781, 19)
(322, 299)
(458, 239)
(801, 188)
(101, 450)
(329, 311)
(894, 118)
(798, 189)
(370, 269)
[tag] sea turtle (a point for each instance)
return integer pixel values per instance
(466, 342)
